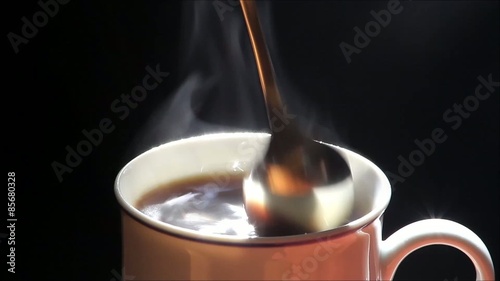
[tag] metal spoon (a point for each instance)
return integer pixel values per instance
(291, 190)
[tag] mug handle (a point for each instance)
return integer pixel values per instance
(434, 232)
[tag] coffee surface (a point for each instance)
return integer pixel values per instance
(203, 203)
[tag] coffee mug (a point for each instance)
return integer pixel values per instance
(153, 250)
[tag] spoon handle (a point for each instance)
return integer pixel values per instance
(263, 59)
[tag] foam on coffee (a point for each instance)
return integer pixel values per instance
(199, 204)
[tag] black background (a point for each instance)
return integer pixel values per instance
(395, 91)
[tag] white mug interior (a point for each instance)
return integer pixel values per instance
(230, 152)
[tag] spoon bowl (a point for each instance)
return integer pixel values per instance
(300, 186)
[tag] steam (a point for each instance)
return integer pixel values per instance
(220, 91)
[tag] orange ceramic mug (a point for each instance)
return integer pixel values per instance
(153, 250)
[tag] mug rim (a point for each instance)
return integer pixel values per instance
(351, 226)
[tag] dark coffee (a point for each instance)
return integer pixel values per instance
(201, 204)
